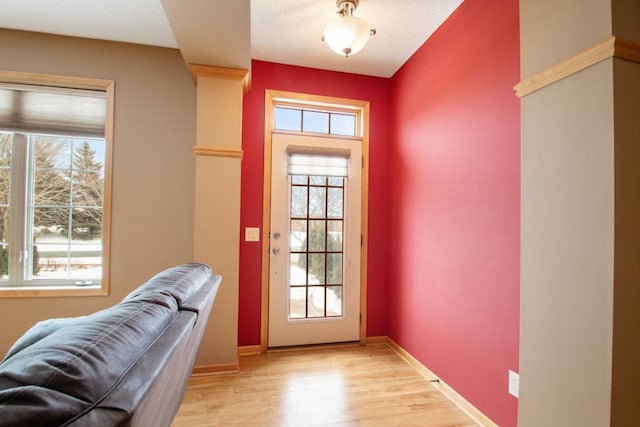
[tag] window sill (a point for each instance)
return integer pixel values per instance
(52, 291)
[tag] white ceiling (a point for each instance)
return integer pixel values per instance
(283, 31)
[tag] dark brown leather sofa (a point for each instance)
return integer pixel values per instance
(127, 365)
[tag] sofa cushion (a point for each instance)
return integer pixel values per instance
(65, 367)
(37, 332)
(171, 283)
(85, 361)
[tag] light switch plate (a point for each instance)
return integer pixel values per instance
(514, 383)
(251, 234)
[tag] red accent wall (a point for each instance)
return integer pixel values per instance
(444, 200)
(454, 288)
(266, 75)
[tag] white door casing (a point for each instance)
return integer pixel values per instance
(283, 330)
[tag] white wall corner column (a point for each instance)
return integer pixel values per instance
(217, 204)
(580, 238)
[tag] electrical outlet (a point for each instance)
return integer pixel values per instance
(514, 383)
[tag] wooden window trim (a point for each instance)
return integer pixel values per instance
(107, 86)
(275, 98)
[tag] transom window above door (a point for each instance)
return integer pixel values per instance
(315, 121)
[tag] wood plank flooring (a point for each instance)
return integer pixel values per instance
(337, 387)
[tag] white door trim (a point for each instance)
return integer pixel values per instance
(272, 98)
(284, 331)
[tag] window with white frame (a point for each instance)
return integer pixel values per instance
(54, 186)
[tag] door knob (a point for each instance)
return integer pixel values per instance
(275, 251)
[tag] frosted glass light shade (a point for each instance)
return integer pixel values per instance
(347, 35)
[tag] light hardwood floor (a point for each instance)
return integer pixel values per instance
(342, 386)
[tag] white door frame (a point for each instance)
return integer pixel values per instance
(361, 108)
(284, 331)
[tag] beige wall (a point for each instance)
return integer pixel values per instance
(580, 300)
(567, 252)
(626, 15)
(217, 215)
(626, 335)
(153, 184)
(550, 31)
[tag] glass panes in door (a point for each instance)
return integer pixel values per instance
(314, 241)
(316, 248)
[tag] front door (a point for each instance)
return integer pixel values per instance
(315, 234)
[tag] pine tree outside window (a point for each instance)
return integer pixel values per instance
(55, 154)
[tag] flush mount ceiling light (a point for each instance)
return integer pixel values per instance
(346, 35)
